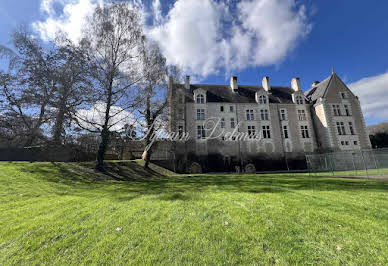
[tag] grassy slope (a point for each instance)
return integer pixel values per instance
(67, 214)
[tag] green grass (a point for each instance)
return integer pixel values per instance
(57, 213)
(380, 173)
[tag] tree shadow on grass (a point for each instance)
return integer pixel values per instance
(136, 182)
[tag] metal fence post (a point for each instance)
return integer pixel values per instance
(374, 158)
(308, 164)
(354, 166)
(363, 160)
(331, 162)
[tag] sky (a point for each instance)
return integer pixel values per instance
(212, 40)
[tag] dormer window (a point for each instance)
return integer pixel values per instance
(299, 99)
(262, 99)
(200, 98)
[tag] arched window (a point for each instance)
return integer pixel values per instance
(262, 99)
(200, 98)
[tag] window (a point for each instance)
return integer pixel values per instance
(305, 132)
(346, 143)
(200, 98)
(250, 115)
(347, 110)
(299, 99)
(262, 99)
(264, 114)
(341, 128)
(251, 131)
(200, 114)
(283, 115)
(200, 132)
(222, 122)
(336, 110)
(355, 142)
(180, 130)
(232, 125)
(285, 132)
(221, 108)
(343, 95)
(351, 129)
(301, 115)
(231, 108)
(266, 132)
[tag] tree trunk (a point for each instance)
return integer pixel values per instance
(58, 127)
(35, 129)
(105, 132)
(102, 149)
(30, 139)
(147, 158)
(150, 129)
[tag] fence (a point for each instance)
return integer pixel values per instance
(366, 163)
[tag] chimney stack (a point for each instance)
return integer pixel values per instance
(295, 84)
(265, 84)
(233, 83)
(315, 83)
(187, 83)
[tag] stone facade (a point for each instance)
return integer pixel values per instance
(283, 122)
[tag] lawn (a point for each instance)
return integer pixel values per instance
(58, 213)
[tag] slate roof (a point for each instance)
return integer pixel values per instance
(244, 94)
(319, 91)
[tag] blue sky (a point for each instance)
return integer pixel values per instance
(282, 39)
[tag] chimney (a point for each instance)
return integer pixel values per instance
(295, 84)
(233, 83)
(187, 83)
(315, 83)
(265, 83)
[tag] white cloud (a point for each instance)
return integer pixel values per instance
(372, 92)
(157, 12)
(203, 37)
(70, 20)
(93, 118)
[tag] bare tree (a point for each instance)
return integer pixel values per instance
(74, 87)
(154, 88)
(111, 42)
(29, 85)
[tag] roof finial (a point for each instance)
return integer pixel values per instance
(332, 71)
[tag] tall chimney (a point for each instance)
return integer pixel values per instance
(265, 84)
(233, 83)
(295, 84)
(187, 83)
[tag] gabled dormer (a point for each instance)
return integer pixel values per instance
(199, 96)
(261, 96)
(297, 96)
